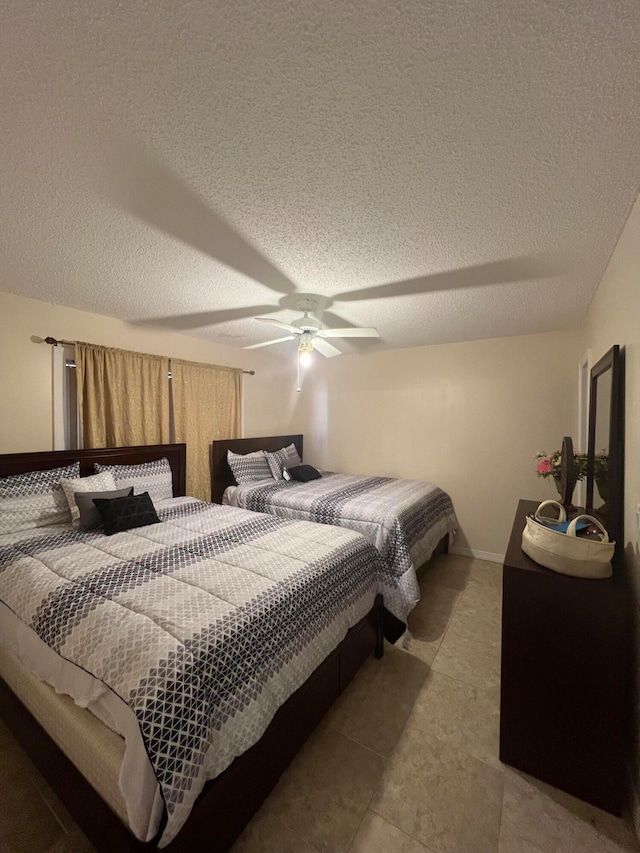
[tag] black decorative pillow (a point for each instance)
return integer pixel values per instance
(122, 514)
(304, 473)
(89, 516)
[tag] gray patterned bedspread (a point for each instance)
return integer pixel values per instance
(204, 624)
(404, 519)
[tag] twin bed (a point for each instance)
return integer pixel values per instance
(406, 520)
(203, 650)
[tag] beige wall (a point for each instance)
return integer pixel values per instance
(614, 318)
(468, 416)
(26, 422)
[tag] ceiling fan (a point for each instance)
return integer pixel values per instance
(310, 333)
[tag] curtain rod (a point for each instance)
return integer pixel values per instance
(54, 343)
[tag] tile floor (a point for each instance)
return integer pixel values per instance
(405, 762)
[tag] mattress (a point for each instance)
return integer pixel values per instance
(195, 631)
(93, 748)
(94, 728)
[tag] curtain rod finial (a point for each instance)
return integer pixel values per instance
(51, 341)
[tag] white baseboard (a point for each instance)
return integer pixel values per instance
(478, 555)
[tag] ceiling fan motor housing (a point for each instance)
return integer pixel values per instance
(307, 323)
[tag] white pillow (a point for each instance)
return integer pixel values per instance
(286, 457)
(103, 482)
(153, 477)
(34, 499)
(248, 467)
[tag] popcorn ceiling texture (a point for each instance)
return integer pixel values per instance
(162, 159)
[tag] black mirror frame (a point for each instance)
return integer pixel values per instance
(614, 522)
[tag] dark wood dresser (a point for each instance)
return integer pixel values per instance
(563, 708)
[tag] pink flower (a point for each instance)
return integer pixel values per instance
(543, 466)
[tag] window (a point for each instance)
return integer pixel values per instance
(66, 421)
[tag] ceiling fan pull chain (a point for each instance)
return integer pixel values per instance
(298, 361)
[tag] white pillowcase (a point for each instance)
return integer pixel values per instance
(286, 457)
(34, 499)
(153, 477)
(103, 482)
(248, 467)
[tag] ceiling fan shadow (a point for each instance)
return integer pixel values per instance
(205, 318)
(145, 188)
(507, 271)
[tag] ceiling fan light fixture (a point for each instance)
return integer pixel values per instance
(305, 348)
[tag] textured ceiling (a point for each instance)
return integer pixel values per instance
(164, 159)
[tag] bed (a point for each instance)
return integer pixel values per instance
(269, 670)
(406, 520)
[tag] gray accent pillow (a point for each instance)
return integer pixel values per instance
(153, 477)
(103, 482)
(89, 515)
(248, 467)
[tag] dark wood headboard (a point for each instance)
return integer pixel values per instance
(221, 476)
(20, 463)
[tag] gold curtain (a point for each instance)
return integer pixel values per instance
(123, 397)
(206, 407)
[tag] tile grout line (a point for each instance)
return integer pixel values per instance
(459, 681)
(357, 743)
(408, 834)
(362, 746)
(364, 814)
(471, 639)
(297, 835)
(284, 824)
(450, 615)
(475, 687)
(474, 758)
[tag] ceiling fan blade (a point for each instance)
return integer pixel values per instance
(481, 275)
(324, 348)
(206, 318)
(269, 343)
(280, 324)
(350, 333)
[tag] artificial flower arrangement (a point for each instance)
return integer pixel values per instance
(550, 464)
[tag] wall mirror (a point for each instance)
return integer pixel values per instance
(605, 458)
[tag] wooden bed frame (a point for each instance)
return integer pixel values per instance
(221, 476)
(228, 802)
(20, 463)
